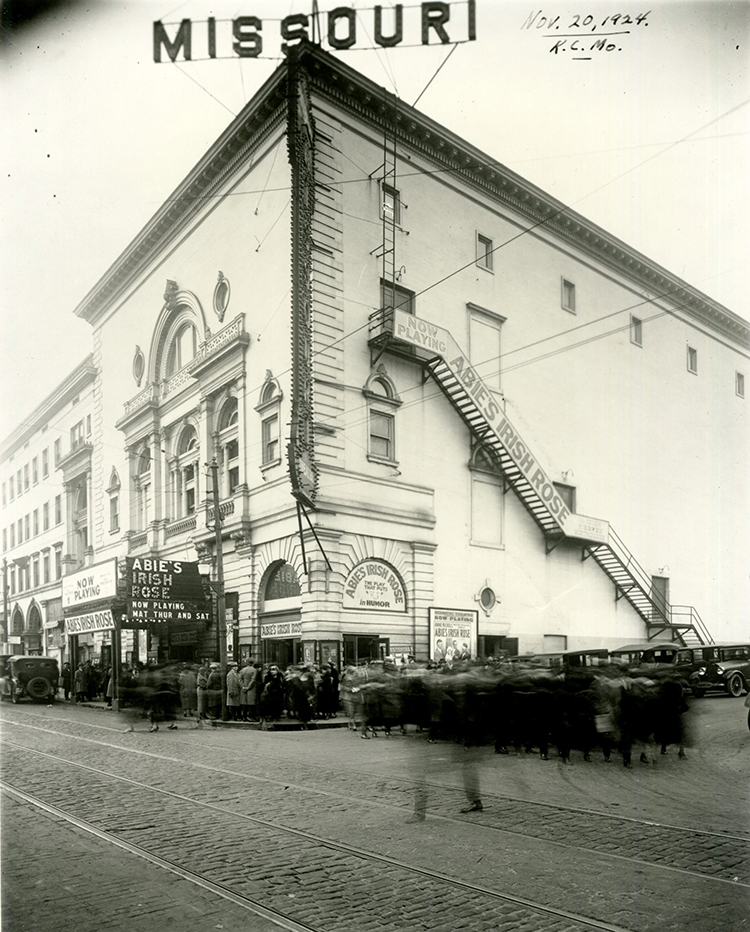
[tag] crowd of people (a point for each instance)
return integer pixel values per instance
(501, 703)
(530, 709)
(253, 693)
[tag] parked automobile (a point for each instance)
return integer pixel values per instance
(29, 676)
(651, 657)
(727, 670)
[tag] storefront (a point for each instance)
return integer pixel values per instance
(280, 617)
(91, 609)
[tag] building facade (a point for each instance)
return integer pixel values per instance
(436, 402)
(47, 521)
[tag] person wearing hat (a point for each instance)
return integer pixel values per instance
(233, 692)
(213, 691)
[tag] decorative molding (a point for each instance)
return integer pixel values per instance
(222, 293)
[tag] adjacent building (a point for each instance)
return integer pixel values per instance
(47, 522)
(438, 404)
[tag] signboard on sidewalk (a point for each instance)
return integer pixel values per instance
(453, 634)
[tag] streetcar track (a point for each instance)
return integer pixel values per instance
(286, 922)
(349, 849)
(463, 885)
(602, 814)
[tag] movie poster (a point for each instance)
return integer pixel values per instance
(453, 634)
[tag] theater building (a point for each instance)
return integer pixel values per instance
(438, 400)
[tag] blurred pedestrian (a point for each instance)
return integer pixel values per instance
(201, 684)
(67, 680)
(188, 683)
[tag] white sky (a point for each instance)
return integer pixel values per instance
(649, 141)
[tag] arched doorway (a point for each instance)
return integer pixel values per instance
(280, 615)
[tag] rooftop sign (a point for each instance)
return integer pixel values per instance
(430, 23)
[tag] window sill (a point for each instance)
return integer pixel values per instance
(270, 465)
(477, 543)
(382, 460)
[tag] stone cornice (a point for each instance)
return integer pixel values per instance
(247, 132)
(352, 92)
(72, 385)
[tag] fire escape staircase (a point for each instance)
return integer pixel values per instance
(398, 332)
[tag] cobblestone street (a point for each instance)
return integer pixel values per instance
(139, 830)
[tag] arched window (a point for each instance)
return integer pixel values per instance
(383, 403)
(142, 482)
(182, 349)
(16, 622)
(113, 490)
(229, 446)
(186, 473)
(269, 408)
(34, 620)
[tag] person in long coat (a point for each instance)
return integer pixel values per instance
(272, 696)
(213, 691)
(80, 683)
(249, 680)
(233, 692)
(67, 679)
(201, 685)
(188, 681)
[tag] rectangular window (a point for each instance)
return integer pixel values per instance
(45, 566)
(11, 489)
(20, 530)
(739, 386)
(35, 570)
(382, 435)
(45, 516)
(35, 521)
(393, 295)
(27, 527)
(76, 435)
(88, 425)
(232, 454)
(114, 513)
(58, 509)
(391, 207)
(636, 330)
(555, 642)
(12, 580)
(35, 470)
(487, 504)
(568, 296)
(45, 463)
(12, 536)
(58, 562)
(188, 479)
(5, 539)
(692, 360)
(270, 439)
(26, 478)
(58, 450)
(484, 252)
(19, 483)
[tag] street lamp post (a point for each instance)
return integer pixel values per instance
(221, 621)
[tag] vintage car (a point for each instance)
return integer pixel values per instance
(649, 657)
(728, 670)
(29, 676)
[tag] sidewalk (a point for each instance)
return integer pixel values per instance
(283, 724)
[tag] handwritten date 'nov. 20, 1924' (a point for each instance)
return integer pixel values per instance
(571, 33)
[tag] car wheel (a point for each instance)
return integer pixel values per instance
(38, 687)
(698, 692)
(735, 685)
